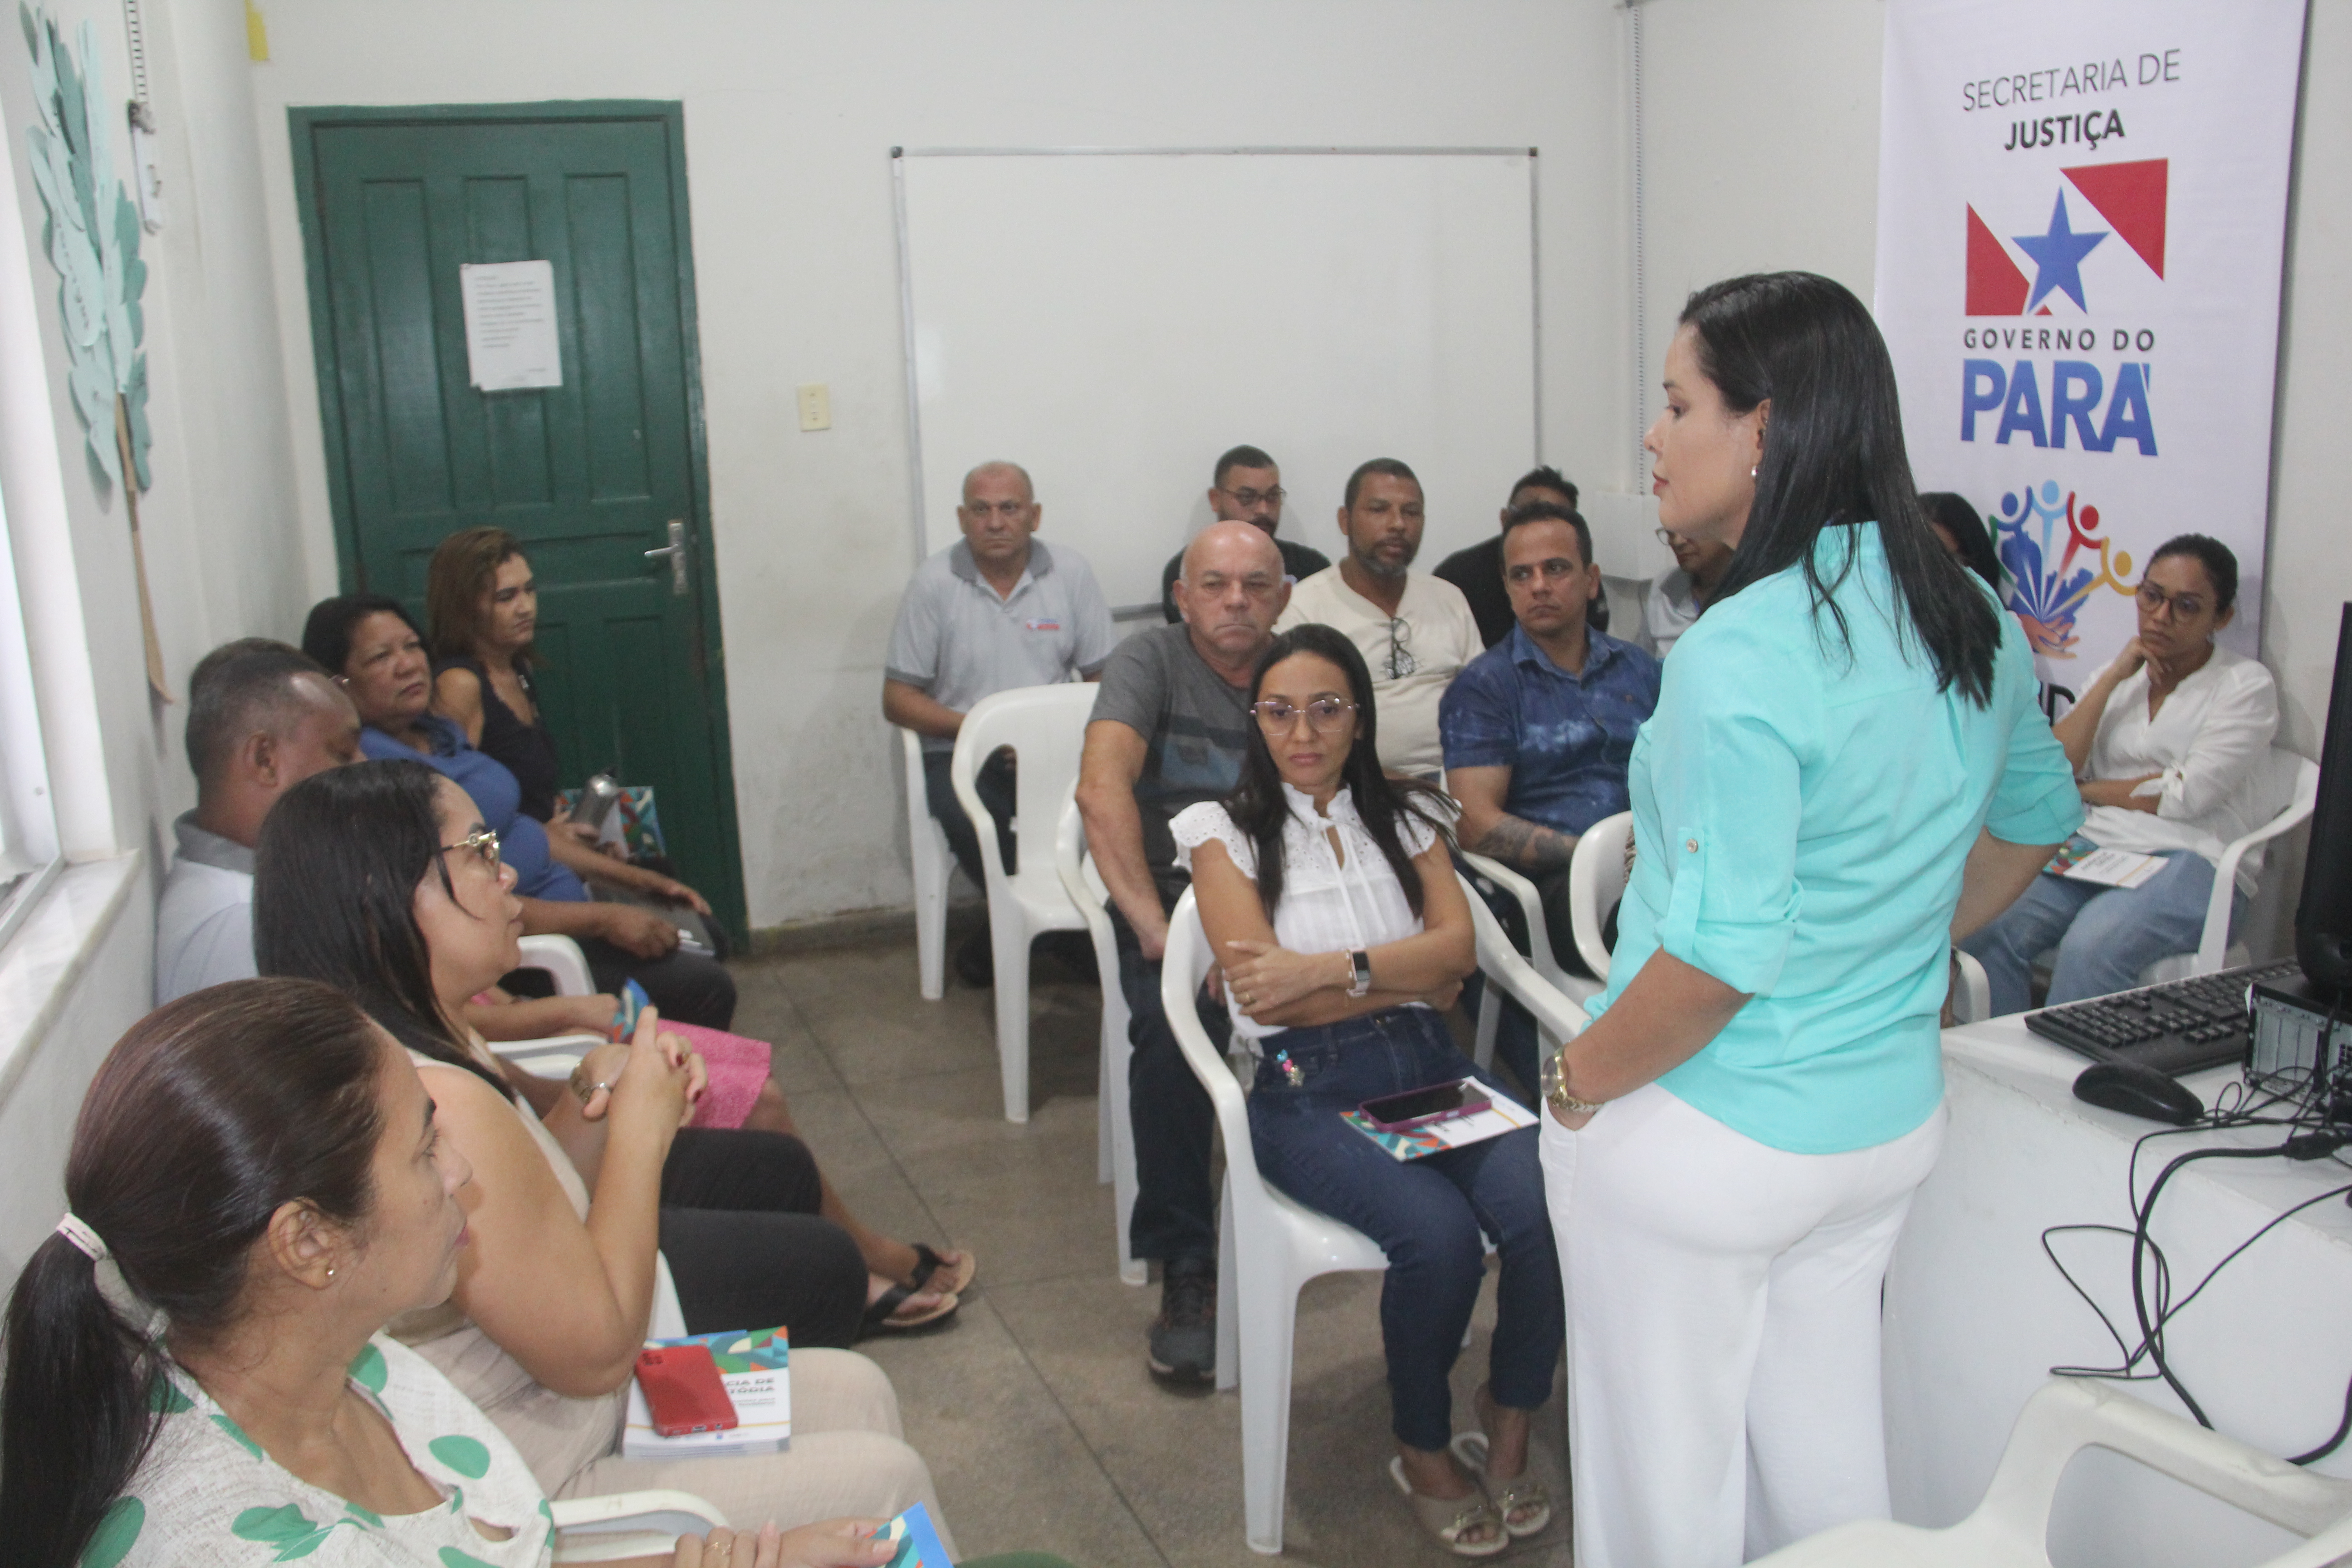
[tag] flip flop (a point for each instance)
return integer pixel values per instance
(882, 1312)
(928, 1263)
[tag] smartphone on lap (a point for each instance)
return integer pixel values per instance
(1420, 1107)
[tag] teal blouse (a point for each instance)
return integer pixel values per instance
(1803, 809)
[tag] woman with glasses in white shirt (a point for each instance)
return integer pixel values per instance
(2171, 746)
(1328, 893)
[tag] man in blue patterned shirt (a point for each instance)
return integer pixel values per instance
(1539, 729)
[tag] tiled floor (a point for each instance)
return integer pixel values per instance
(1034, 1408)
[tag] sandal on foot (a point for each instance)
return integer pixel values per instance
(928, 1263)
(883, 1311)
(1451, 1519)
(1524, 1494)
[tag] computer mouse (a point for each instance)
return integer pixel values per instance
(2138, 1090)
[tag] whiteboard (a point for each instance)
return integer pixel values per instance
(1114, 320)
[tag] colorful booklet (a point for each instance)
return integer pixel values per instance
(1502, 1115)
(918, 1544)
(756, 1367)
(2084, 861)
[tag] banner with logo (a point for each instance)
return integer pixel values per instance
(2081, 213)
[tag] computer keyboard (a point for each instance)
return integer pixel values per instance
(2182, 1027)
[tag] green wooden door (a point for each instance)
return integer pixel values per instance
(591, 474)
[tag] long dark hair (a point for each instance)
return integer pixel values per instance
(334, 890)
(1953, 514)
(1833, 455)
(207, 1117)
(1259, 808)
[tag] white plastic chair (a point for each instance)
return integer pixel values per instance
(1972, 997)
(564, 962)
(1575, 987)
(1596, 879)
(1269, 1244)
(628, 1524)
(2066, 1415)
(1045, 726)
(926, 842)
(1114, 1133)
(2215, 951)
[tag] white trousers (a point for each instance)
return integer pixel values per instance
(1723, 1331)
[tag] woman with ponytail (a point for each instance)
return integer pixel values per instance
(196, 1374)
(1846, 771)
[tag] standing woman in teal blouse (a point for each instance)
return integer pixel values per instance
(1846, 771)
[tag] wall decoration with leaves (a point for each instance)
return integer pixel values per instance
(92, 240)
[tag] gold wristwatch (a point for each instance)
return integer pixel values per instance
(1555, 1086)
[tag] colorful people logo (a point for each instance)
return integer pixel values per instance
(2041, 534)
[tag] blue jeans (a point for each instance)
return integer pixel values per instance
(1427, 1214)
(2105, 936)
(1175, 1203)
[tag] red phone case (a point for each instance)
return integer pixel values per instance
(683, 1391)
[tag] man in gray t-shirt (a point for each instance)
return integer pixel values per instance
(996, 611)
(1167, 731)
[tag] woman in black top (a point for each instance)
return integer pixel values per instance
(483, 608)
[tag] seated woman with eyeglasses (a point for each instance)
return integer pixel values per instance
(1328, 896)
(197, 1372)
(2170, 745)
(380, 880)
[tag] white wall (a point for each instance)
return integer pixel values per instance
(224, 558)
(222, 553)
(2310, 575)
(791, 112)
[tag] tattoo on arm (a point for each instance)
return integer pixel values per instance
(1517, 842)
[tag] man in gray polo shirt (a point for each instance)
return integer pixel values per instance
(261, 718)
(996, 611)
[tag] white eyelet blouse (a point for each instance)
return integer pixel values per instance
(1328, 904)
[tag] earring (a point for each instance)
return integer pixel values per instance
(330, 1274)
(1751, 473)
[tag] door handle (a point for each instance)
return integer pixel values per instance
(674, 553)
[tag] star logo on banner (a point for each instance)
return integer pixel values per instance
(2058, 256)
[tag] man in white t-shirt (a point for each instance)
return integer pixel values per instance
(1415, 631)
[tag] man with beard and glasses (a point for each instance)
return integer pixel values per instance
(1415, 631)
(1246, 486)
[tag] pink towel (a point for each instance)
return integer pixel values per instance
(739, 1066)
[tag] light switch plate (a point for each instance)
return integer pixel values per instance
(816, 406)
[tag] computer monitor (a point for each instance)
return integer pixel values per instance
(2322, 919)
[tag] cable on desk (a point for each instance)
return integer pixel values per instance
(2151, 1272)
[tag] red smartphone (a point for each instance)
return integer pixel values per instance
(1419, 1107)
(684, 1390)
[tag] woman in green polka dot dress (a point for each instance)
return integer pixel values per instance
(256, 1178)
